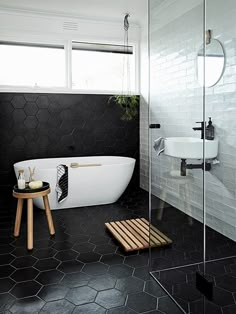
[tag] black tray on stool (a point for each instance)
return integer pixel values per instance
(45, 186)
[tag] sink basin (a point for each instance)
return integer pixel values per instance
(190, 148)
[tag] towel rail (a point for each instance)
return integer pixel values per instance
(77, 165)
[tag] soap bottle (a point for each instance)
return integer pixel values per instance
(21, 180)
(210, 130)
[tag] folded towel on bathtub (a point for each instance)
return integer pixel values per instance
(159, 145)
(62, 183)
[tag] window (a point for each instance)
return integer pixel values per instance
(102, 67)
(32, 65)
(86, 66)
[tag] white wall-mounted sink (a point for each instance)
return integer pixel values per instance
(190, 148)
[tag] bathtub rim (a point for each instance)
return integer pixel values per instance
(130, 160)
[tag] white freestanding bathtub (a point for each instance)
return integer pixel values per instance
(87, 185)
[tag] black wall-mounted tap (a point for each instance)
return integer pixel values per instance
(202, 128)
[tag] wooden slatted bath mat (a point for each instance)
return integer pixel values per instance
(137, 234)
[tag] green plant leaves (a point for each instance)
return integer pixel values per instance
(129, 105)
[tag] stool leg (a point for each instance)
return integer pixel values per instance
(18, 217)
(49, 215)
(30, 224)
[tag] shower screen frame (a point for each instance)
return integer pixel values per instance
(154, 271)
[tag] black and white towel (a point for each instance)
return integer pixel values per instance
(62, 183)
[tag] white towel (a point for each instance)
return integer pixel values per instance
(159, 145)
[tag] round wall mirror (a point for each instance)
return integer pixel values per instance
(214, 63)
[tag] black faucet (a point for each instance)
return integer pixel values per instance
(202, 128)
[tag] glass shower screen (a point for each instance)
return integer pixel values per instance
(192, 174)
(176, 102)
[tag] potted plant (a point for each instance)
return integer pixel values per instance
(128, 103)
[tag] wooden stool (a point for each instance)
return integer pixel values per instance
(30, 195)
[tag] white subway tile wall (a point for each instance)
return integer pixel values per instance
(176, 102)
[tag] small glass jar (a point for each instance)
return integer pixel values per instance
(21, 180)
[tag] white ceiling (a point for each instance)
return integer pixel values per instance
(95, 9)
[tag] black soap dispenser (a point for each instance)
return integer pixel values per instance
(210, 130)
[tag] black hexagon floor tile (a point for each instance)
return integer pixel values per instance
(6, 248)
(84, 247)
(77, 238)
(42, 244)
(99, 240)
(154, 289)
(47, 264)
(130, 285)
(95, 268)
(102, 282)
(173, 276)
(27, 306)
(44, 253)
(49, 277)
(136, 261)
(121, 310)
(120, 271)
(62, 245)
(70, 266)
(186, 292)
(6, 284)
(112, 259)
(20, 241)
(81, 295)
(105, 249)
(100, 264)
(26, 289)
(226, 282)
(6, 300)
(89, 257)
(154, 312)
(56, 307)
(25, 261)
(6, 270)
(230, 309)
(74, 280)
(164, 263)
(6, 259)
(6, 312)
(60, 235)
(66, 255)
(166, 305)
(141, 302)
(201, 306)
(53, 292)
(214, 268)
(25, 274)
(110, 298)
(222, 297)
(21, 251)
(142, 273)
(89, 308)
(232, 269)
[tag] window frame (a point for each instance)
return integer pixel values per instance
(40, 45)
(111, 48)
(67, 44)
